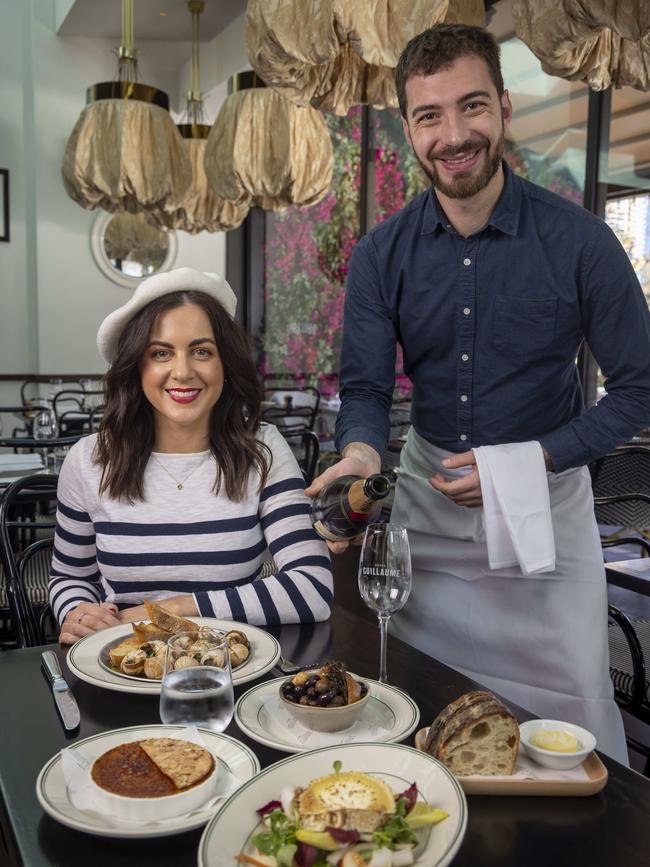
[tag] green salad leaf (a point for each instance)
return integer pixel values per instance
(279, 840)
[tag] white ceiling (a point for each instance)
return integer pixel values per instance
(103, 18)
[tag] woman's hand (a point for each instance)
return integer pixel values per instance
(465, 491)
(87, 617)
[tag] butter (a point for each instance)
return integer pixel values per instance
(556, 740)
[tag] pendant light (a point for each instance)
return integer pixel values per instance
(125, 153)
(266, 151)
(201, 210)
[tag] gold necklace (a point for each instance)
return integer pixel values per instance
(179, 485)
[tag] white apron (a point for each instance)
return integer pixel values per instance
(539, 640)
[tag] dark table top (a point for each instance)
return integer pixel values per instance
(632, 575)
(604, 830)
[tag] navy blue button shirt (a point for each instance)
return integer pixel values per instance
(490, 327)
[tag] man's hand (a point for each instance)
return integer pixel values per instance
(87, 617)
(358, 459)
(465, 491)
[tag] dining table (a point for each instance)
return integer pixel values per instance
(605, 829)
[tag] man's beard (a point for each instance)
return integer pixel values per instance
(465, 184)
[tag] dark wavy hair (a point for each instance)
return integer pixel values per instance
(440, 46)
(126, 433)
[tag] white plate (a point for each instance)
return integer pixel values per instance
(229, 831)
(259, 714)
(83, 657)
(53, 796)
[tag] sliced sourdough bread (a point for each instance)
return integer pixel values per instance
(476, 734)
(168, 621)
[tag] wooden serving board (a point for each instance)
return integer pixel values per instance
(592, 765)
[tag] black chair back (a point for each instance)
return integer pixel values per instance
(27, 512)
(621, 487)
(306, 448)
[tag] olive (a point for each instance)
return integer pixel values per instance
(304, 700)
(325, 699)
(312, 702)
(311, 680)
(322, 686)
(337, 701)
(298, 691)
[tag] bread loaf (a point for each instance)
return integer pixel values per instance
(476, 734)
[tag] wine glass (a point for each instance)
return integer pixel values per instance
(385, 577)
(197, 694)
(45, 427)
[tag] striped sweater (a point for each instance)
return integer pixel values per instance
(191, 540)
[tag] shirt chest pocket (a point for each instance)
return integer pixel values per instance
(524, 327)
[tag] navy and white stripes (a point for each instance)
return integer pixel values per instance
(191, 541)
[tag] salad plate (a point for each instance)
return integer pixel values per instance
(229, 833)
(87, 658)
(390, 715)
(55, 800)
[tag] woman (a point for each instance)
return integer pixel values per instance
(182, 491)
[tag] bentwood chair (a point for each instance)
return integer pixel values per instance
(629, 648)
(306, 448)
(621, 486)
(26, 565)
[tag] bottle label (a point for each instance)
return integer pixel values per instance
(325, 533)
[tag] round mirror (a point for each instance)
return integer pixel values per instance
(127, 248)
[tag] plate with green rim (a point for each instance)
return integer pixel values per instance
(87, 657)
(230, 831)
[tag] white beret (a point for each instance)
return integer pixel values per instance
(153, 287)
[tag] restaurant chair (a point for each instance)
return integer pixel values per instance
(306, 448)
(621, 487)
(629, 647)
(70, 411)
(25, 566)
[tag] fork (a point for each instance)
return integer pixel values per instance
(288, 666)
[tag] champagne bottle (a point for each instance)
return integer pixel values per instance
(342, 509)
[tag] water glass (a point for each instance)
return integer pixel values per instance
(45, 427)
(385, 577)
(196, 687)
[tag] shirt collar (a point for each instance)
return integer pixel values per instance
(504, 217)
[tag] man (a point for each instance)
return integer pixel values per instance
(490, 284)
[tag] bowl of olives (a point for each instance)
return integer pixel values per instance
(326, 699)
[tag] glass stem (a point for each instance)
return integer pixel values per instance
(383, 636)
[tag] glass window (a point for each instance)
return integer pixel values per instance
(305, 265)
(547, 137)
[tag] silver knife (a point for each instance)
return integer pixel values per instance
(63, 697)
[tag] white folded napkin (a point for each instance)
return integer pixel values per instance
(76, 773)
(516, 507)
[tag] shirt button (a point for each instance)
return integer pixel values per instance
(463, 437)
(465, 356)
(466, 311)
(467, 262)
(463, 397)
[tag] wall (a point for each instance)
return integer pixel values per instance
(52, 295)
